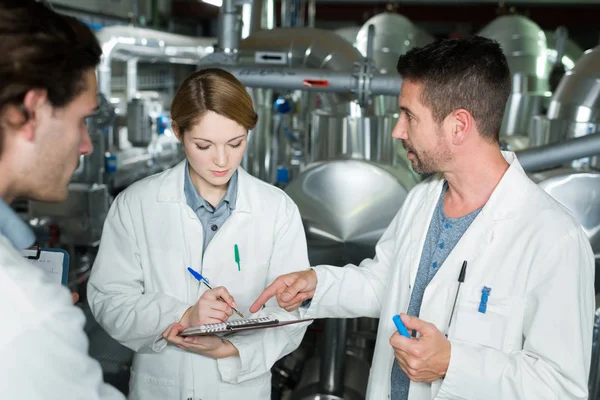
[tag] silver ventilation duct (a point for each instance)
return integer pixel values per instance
(130, 43)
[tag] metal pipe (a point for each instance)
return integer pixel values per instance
(304, 47)
(269, 14)
(247, 19)
(544, 157)
(286, 13)
(131, 78)
(386, 84)
(154, 13)
(229, 27)
(126, 42)
(594, 378)
(300, 12)
(316, 80)
(256, 16)
(331, 371)
(294, 78)
(312, 11)
(135, 10)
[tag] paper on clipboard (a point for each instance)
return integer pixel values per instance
(238, 325)
(54, 262)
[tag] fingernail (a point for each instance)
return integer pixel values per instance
(234, 304)
(285, 296)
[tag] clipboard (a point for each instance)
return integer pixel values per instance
(238, 325)
(54, 262)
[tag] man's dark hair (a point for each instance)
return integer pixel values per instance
(41, 49)
(470, 73)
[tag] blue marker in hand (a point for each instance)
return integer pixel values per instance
(401, 328)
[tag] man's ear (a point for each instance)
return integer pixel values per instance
(462, 122)
(23, 119)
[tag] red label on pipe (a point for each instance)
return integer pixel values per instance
(315, 82)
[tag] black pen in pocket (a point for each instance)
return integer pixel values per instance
(461, 279)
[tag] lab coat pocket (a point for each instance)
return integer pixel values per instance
(258, 388)
(155, 376)
(490, 328)
(144, 387)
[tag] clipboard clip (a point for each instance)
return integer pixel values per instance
(32, 253)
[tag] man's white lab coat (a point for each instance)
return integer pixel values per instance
(140, 284)
(533, 342)
(43, 348)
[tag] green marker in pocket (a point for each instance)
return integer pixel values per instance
(236, 255)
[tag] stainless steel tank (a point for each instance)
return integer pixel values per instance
(525, 46)
(574, 109)
(346, 205)
(575, 106)
(572, 51)
(579, 191)
(348, 33)
(394, 35)
(335, 135)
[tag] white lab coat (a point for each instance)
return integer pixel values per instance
(534, 341)
(140, 284)
(43, 348)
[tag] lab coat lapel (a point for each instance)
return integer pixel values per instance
(219, 253)
(418, 232)
(501, 205)
(191, 236)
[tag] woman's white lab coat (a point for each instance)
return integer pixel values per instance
(140, 284)
(533, 342)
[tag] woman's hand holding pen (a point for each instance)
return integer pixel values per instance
(291, 290)
(214, 306)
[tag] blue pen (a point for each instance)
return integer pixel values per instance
(401, 328)
(202, 279)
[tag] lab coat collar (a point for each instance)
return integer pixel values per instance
(503, 204)
(171, 188)
(505, 201)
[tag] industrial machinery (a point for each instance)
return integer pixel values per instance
(394, 35)
(326, 107)
(574, 109)
(525, 46)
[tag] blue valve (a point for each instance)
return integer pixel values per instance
(282, 105)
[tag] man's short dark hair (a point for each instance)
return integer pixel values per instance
(470, 73)
(41, 49)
